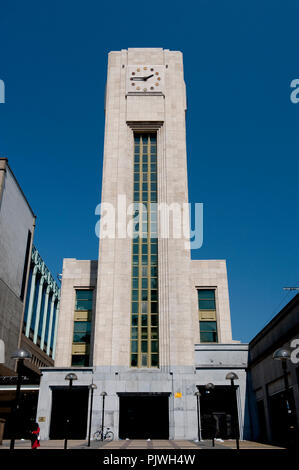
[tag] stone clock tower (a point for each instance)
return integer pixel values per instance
(145, 323)
(145, 160)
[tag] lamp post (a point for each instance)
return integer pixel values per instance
(209, 387)
(19, 355)
(283, 355)
(91, 387)
(70, 377)
(103, 394)
(197, 394)
(232, 377)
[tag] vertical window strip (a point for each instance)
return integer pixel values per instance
(144, 313)
(82, 327)
(207, 316)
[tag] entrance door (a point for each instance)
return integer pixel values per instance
(218, 411)
(281, 418)
(72, 406)
(143, 416)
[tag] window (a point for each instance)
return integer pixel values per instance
(83, 300)
(208, 332)
(26, 261)
(206, 300)
(144, 305)
(82, 332)
(82, 327)
(207, 315)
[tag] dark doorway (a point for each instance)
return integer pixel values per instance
(19, 424)
(281, 418)
(218, 412)
(143, 416)
(72, 405)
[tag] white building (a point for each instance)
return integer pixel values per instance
(145, 323)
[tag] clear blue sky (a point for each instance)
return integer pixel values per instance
(242, 129)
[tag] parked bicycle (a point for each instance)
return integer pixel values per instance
(108, 435)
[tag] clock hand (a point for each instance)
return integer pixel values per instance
(146, 78)
(139, 79)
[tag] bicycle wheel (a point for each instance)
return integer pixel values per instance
(97, 435)
(109, 436)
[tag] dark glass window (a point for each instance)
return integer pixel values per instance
(82, 332)
(144, 325)
(207, 307)
(208, 332)
(83, 300)
(82, 327)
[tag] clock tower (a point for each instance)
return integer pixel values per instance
(144, 323)
(149, 322)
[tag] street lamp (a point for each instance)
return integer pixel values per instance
(91, 387)
(70, 377)
(209, 387)
(283, 355)
(103, 394)
(197, 394)
(232, 377)
(19, 355)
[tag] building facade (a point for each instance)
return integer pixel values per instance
(41, 312)
(272, 415)
(17, 224)
(29, 301)
(144, 323)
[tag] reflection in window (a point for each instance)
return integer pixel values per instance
(82, 327)
(144, 306)
(207, 316)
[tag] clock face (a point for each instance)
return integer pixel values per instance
(145, 79)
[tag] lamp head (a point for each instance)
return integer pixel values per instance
(231, 376)
(209, 386)
(21, 354)
(71, 376)
(282, 354)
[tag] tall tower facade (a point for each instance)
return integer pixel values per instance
(144, 323)
(142, 282)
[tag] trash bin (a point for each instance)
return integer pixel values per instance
(2, 424)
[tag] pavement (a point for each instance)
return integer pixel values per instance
(138, 444)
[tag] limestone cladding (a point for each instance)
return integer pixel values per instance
(164, 113)
(75, 274)
(212, 274)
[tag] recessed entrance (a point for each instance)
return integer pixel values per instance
(143, 416)
(218, 412)
(69, 405)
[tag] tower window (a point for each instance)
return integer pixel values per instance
(144, 293)
(207, 316)
(82, 328)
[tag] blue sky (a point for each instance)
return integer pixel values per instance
(242, 129)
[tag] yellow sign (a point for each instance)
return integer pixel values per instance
(178, 395)
(41, 419)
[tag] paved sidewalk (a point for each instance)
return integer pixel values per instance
(53, 444)
(139, 444)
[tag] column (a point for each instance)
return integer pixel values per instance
(50, 324)
(38, 308)
(42, 341)
(31, 301)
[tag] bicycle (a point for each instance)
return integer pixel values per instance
(108, 435)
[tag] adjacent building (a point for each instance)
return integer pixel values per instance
(144, 323)
(29, 299)
(17, 224)
(275, 409)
